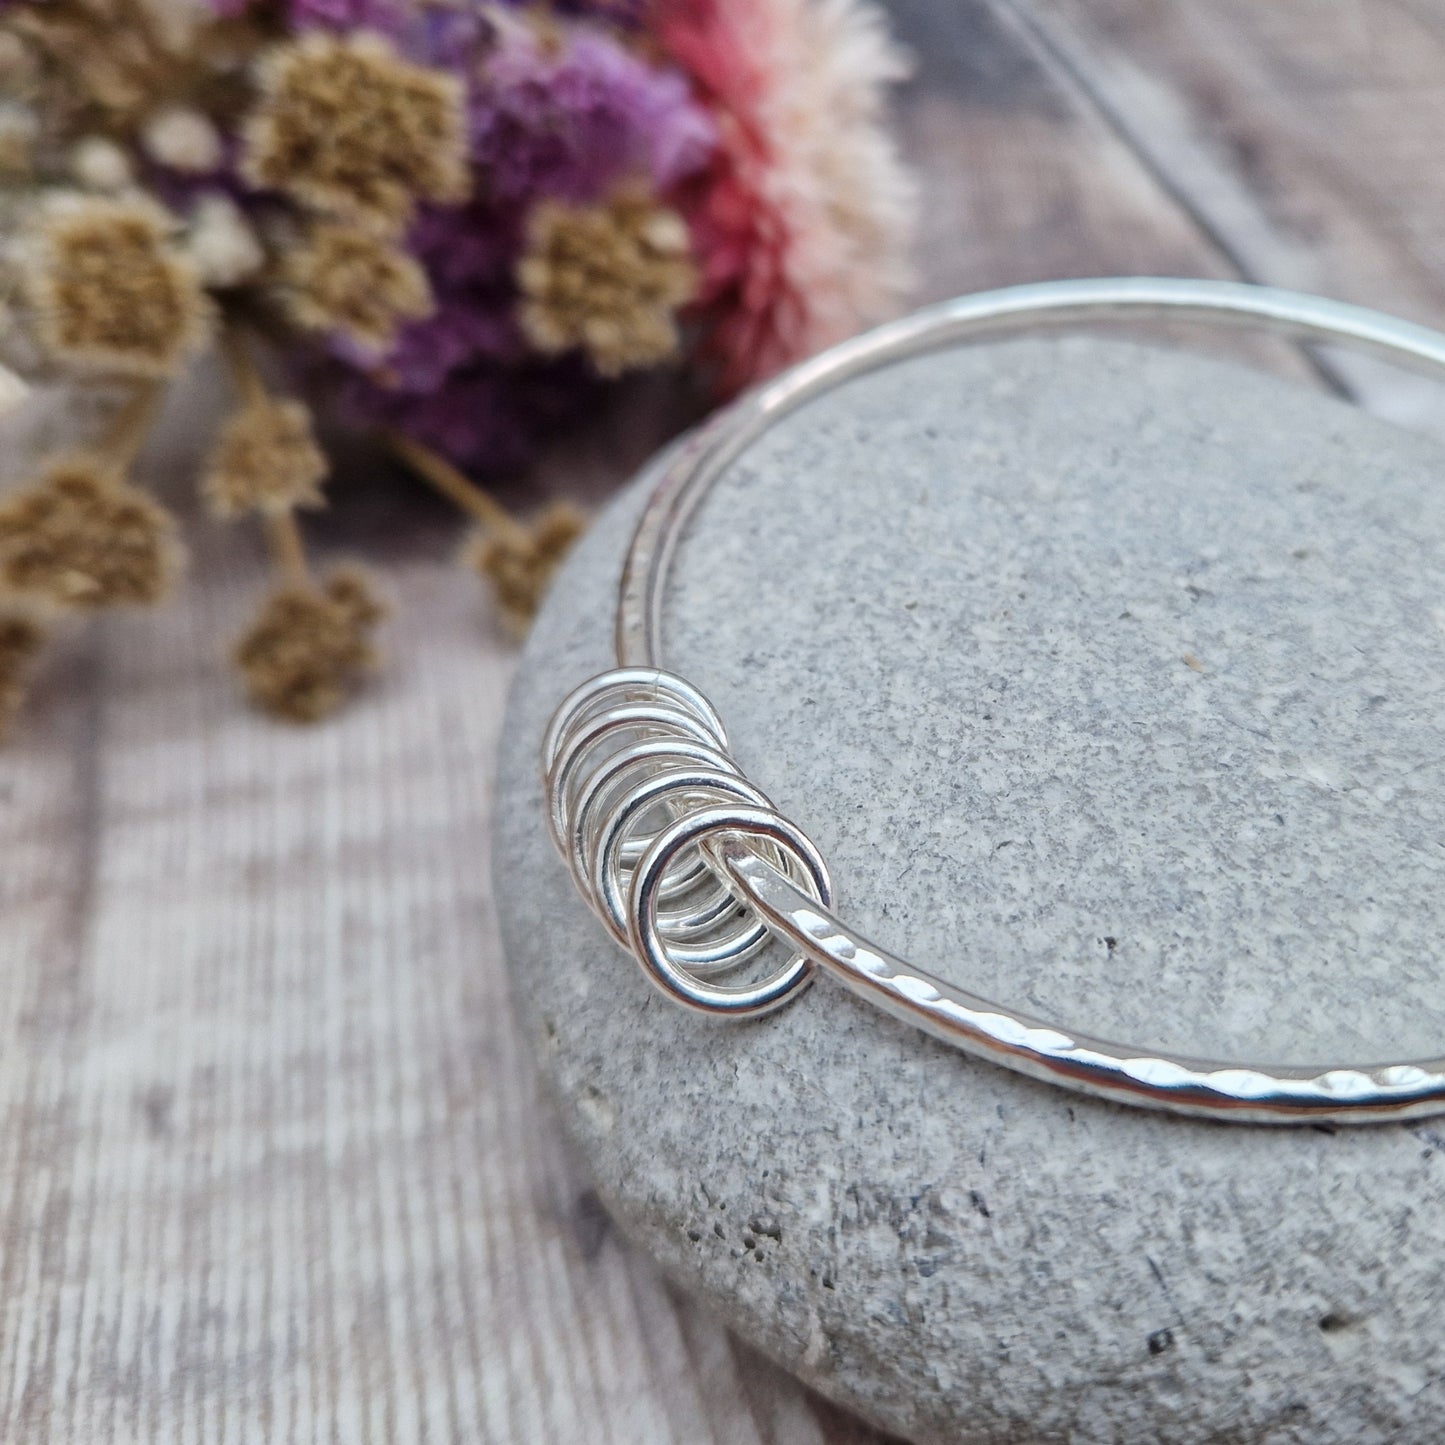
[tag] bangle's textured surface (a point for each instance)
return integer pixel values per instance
(635, 704)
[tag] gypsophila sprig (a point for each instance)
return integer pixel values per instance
(444, 227)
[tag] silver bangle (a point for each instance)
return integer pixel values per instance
(693, 871)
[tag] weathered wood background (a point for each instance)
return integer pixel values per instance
(272, 1163)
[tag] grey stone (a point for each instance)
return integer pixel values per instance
(1109, 682)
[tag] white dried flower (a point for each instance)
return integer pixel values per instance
(222, 245)
(99, 164)
(14, 389)
(183, 139)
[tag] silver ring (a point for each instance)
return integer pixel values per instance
(697, 784)
(640, 684)
(732, 1000)
(634, 761)
(594, 731)
(1258, 1093)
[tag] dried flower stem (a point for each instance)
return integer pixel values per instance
(454, 484)
(283, 532)
(129, 428)
(245, 376)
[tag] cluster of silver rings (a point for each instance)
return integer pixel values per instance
(691, 868)
(641, 794)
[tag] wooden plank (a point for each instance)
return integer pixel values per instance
(1025, 181)
(1028, 178)
(274, 1164)
(1300, 136)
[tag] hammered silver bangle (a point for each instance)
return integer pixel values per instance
(692, 870)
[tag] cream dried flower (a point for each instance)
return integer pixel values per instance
(221, 243)
(14, 390)
(607, 279)
(520, 561)
(99, 164)
(344, 124)
(309, 646)
(347, 280)
(183, 139)
(80, 538)
(265, 460)
(111, 292)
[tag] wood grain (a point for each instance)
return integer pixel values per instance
(273, 1165)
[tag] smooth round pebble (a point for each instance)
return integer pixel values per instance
(1109, 681)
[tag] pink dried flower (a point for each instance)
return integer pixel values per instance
(802, 223)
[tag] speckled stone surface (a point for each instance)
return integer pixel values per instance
(1110, 683)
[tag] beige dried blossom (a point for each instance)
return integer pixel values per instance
(21, 637)
(519, 560)
(606, 279)
(308, 647)
(80, 538)
(345, 125)
(14, 390)
(265, 460)
(99, 164)
(221, 243)
(346, 279)
(111, 292)
(184, 139)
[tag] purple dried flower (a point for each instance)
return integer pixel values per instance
(388, 18)
(456, 337)
(487, 418)
(567, 117)
(561, 111)
(464, 246)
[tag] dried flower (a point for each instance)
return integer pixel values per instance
(81, 538)
(347, 280)
(183, 139)
(309, 646)
(346, 125)
(802, 227)
(265, 460)
(519, 560)
(14, 389)
(221, 243)
(607, 279)
(99, 164)
(568, 112)
(112, 293)
(21, 637)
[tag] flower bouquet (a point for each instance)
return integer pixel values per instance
(449, 224)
